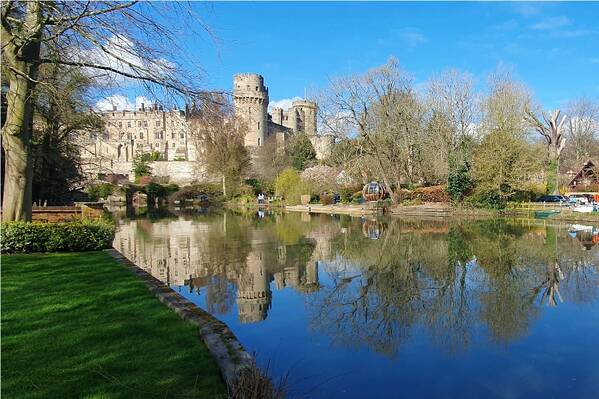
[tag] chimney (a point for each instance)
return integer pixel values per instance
(142, 107)
(114, 107)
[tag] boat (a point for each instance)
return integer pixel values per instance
(546, 214)
(585, 208)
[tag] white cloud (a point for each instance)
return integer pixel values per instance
(412, 37)
(122, 54)
(284, 103)
(118, 101)
(122, 103)
(552, 23)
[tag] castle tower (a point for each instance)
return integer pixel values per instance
(253, 290)
(250, 98)
(306, 111)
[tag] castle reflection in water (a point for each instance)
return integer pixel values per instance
(197, 255)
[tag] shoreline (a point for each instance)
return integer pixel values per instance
(441, 210)
(230, 356)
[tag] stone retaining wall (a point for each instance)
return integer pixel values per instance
(229, 354)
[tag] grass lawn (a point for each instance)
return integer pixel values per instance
(81, 325)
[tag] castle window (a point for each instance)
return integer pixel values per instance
(129, 124)
(138, 123)
(157, 145)
(128, 136)
(145, 123)
(120, 124)
(258, 141)
(141, 135)
(182, 135)
(256, 88)
(156, 135)
(258, 125)
(172, 135)
(158, 123)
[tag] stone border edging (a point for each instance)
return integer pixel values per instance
(230, 355)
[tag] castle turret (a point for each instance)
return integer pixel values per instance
(253, 290)
(306, 110)
(250, 97)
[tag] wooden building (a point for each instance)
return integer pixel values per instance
(586, 176)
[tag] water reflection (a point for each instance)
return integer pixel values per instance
(373, 283)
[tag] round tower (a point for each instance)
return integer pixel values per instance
(253, 290)
(307, 114)
(250, 98)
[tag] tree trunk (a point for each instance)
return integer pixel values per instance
(224, 187)
(21, 65)
(16, 135)
(553, 172)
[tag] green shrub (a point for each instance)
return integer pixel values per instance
(459, 183)
(345, 195)
(357, 197)
(213, 191)
(99, 191)
(485, 199)
(86, 235)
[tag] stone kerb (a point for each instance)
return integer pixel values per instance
(230, 355)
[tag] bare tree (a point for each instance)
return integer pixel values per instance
(582, 131)
(106, 39)
(219, 140)
(551, 128)
(362, 106)
(453, 113)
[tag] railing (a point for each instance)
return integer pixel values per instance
(538, 206)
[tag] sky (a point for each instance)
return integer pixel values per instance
(298, 47)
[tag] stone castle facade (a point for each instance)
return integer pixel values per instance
(152, 129)
(250, 98)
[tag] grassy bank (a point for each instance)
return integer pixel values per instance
(81, 325)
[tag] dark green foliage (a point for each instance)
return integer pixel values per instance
(213, 191)
(86, 235)
(345, 195)
(79, 325)
(486, 199)
(552, 177)
(141, 163)
(100, 191)
(301, 151)
(357, 197)
(260, 186)
(459, 183)
(155, 190)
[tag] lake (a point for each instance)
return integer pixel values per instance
(349, 307)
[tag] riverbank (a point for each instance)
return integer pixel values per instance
(81, 325)
(443, 210)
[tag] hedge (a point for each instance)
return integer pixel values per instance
(56, 237)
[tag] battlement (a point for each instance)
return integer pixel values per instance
(304, 104)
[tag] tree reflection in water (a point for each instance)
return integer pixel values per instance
(449, 280)
(374, 283)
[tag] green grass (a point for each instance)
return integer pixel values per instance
(81, 325)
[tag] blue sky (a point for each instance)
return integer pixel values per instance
(552, 47)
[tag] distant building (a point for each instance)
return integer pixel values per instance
(585, 177)
(251, 100)
(150, 129)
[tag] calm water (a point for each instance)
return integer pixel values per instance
(390, 308)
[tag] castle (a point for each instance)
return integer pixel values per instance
(250, 98)
(153, 129)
